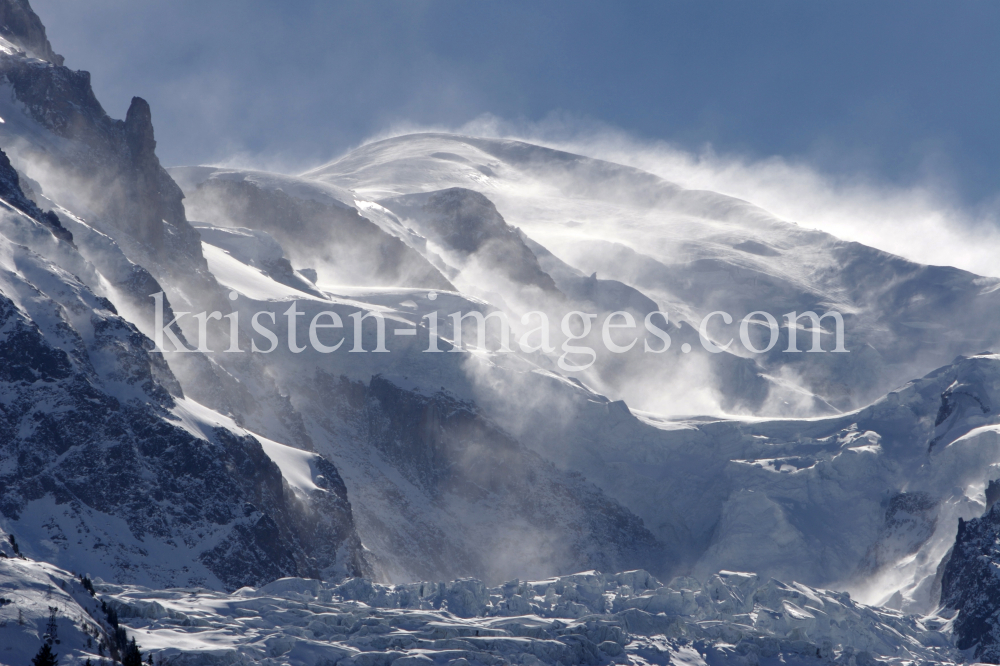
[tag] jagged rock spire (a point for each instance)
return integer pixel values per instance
(149, 213)
(20, 24)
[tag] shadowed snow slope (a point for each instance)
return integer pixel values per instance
(41, 602)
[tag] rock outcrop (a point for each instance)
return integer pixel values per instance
(14, 196)
(20, 25)
(969, 584)
(469, 225)
(107, 165)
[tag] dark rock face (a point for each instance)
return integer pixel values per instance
(971, 586)
(19, 24)
(307, 227)
(85, 424)
(12, 193)
(158, 196)
(110, 165)
(967, 397)
(910, 519)
(468, 223)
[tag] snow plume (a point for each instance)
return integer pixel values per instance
(313, 224)
(921, 221)
(654, 228)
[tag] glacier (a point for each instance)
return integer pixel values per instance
(584, 618)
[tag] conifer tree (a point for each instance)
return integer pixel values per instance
(132, 656)
(45, 657)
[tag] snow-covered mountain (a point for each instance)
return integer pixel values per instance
(261, 480)
(830, 489)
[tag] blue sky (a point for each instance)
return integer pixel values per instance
(898, 92)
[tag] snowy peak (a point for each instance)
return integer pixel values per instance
(693, 253)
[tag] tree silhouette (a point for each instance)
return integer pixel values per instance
(87, 584)
(45, 657)
(132, 656)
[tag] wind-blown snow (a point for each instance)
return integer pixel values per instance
(251, 282)
(294, 465)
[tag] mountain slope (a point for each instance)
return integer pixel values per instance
(835, 502)
(99, 456)
(695, 252)
(106, 462)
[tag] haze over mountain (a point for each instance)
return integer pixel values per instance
(269, 472)
(892, 93)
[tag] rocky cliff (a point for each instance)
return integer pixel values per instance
(969, 584)
(110, 165)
